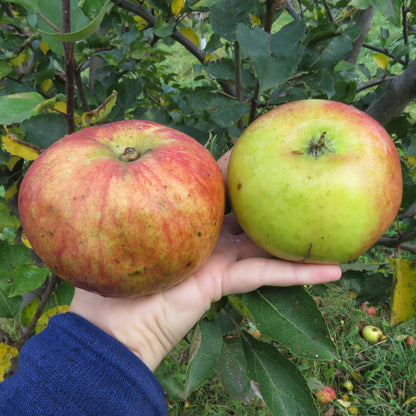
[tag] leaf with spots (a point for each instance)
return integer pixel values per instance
(290, 316)
(282, 386)
(206, 349)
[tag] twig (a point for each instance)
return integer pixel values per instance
(69, 68)
(328, 11)
(44, 299)
(373, 83)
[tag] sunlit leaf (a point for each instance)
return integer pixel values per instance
(404, 292)
(80, 34)
(191, 35)
(15, 108)
(7, 353)
(140, 22)
(381, 60)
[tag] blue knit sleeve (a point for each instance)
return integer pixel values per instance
(73, 368)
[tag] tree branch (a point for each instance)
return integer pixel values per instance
(69, 68)
(44, 299)
(400, 92)
(363, 22)
(176, 35)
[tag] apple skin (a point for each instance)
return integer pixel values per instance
(326, 209)
(326, 395)
(123, 228)
(372, 333)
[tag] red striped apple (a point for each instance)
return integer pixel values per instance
(123, 209)
(315, 181)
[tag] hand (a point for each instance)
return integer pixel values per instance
(152, 325)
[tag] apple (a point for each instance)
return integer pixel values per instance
(326, 395)
(123, 209)
(372, 333)
(315, 181)
(411, 341)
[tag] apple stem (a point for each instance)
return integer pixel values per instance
(320, 146)
(130, 154)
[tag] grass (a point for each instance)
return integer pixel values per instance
(383, 374)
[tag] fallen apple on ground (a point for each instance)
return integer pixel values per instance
(326, 395)
(372, 333)
(315, 181)
(123, 209)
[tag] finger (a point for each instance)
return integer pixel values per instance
(250, 274)
(223, 164)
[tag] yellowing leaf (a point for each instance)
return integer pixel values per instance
(44, 47)
(7, 353)
(381, 60)
(11, 191)
(25, 241)
(255, 20)
(176, 6)
(208, 57)
(191, 35)
(59, 106)
(19, 59)
(101, 112)
(404, 292)
(46, 85)
(16, 147)
(12, 162)
(140, 22)
(44, 319)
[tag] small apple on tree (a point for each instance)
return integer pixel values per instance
(123, 209)
(315, 181)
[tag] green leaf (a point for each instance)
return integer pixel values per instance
(44, 129)
(291, 317)
(390, 9)
(31, 6)
(274, 57)
(27, 277)
(231, 370)
(15, 108)
(226, 15)
(7, 219)
(206, 348)
(80, 34)
(28, 312)
(282, 386)
(338, 49)
(161, 29)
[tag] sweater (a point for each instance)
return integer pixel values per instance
(73, 368)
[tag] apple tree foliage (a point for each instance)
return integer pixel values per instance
(69, 64)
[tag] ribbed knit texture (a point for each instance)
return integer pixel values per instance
(74, 368)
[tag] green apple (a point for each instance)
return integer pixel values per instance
(123, 209)
(315, 181)
(372, 333)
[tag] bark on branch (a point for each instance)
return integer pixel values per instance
(176, 35)
(400, 92)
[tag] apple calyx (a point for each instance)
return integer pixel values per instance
(130, 154)
(320, 146)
